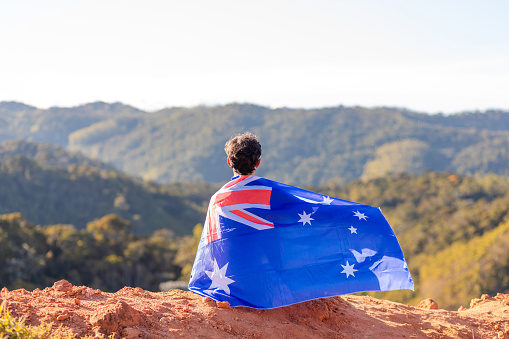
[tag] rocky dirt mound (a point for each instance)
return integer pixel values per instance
(136, 313)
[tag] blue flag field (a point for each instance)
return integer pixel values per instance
(267, 244)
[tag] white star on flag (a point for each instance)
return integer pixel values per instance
(326, 200)
(348, 270)
(305, 218)
(360, 215)
(219, 279)
(353, 230)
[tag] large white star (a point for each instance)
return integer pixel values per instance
(353, 230)
(348, 270)
(305, 218)
(219, 279)
(326, 200)
(360, 215)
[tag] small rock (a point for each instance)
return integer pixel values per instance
(497, 327)
(223, 304)
(112, 318)
(130, 333)
(4, 290)
(63, 317)
(501, 335)
(461, 309)
(474, 302)
(428, 304)
(77, 301)
(62, 286)
(484, 297)
(228, 329)
(320, 310)
(208, 301)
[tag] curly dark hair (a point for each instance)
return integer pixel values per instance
(244, 151)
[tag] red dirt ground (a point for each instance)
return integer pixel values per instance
(136, 313)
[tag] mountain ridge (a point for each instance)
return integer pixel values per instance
(300, 146)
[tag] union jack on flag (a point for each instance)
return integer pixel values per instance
(233, 200)
(266, 244)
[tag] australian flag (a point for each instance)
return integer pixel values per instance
(267, 244)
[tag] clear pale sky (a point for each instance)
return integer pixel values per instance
(429, 56)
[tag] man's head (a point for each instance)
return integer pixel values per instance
(244, 152)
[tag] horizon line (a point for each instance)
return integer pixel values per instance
(210, 105)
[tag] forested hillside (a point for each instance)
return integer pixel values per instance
(53, 125)
(304, 147)
(49, 185)
(104, 255)
(48, 156)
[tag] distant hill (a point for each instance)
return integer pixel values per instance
(53, 125)
(52, 186)
(300, 146)
(47, 155)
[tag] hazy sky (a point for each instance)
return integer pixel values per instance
(430, 56)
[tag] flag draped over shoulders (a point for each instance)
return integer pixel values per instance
(267, 244)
